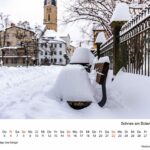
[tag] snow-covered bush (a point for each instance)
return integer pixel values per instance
(82, 55)
(73, 84)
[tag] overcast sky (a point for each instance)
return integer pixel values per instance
(32, 11)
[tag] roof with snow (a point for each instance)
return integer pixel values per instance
(57, 38)
(101, 38)
(50, 33)
(30, 30)
(121, 13)
(53, 34)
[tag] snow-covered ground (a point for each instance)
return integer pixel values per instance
(25, 94)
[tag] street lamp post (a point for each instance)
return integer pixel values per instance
(3, 54)
(35, 45)
(26, 52)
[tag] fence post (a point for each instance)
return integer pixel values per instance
(98, 49)
(100, 39)
(117, 21)
(117, 54)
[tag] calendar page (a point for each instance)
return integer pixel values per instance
(74, 134)
(74, 74)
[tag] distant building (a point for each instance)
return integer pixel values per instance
(17, 46)
(54, 48)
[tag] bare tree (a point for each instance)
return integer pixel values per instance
(24, 25)
(39, 31)
(4, 23)
(27, 40)
(98, 12)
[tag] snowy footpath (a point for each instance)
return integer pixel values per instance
(24, 94)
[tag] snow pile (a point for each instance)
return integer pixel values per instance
(101, 38)
(101, 60)
(104, 59)
(73, 84)
(14, 76)
(131, 93)
(121, 13)
(82, 55)
(25, 93)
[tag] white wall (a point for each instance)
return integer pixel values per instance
(60, 51)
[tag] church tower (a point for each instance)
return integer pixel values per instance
(50, 14)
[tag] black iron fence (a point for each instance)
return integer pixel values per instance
(107, 50)
(134, 44)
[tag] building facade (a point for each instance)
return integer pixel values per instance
(18, 47)
(53, 49)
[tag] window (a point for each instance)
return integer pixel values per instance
(49, 18)
(24, 60)
(6, 60)
(12, 61)
(51, 60)
(42, 61)
(55, 60)
(45, 53)
(15, 60)
(45, 45)
(60, 60)
(60, 45)
(41, 53)
(8, 43)
(60, 52)
(55, 45)
(41, 45)
(55, 52)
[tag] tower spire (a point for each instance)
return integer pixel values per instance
(50, 2)
(50, 14)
